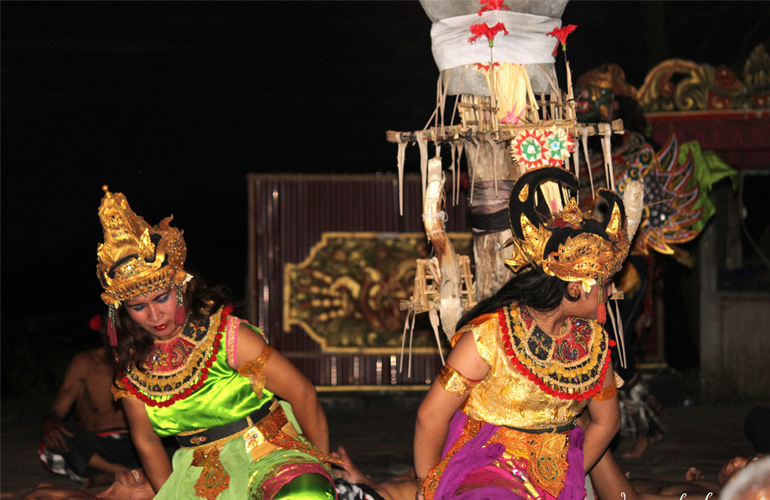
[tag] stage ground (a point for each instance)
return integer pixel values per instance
(377, 433)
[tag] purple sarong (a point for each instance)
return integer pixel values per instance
(473, 464)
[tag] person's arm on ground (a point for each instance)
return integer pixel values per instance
(149, 446)
(52, 430)
(439, 406)
(287, 382)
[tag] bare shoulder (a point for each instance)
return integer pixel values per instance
(86, 362)
(100, 355)
(465, 358)
(250, 344)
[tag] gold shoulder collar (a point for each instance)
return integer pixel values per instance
(570, 367)
(179, 367)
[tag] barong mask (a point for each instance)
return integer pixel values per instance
(136, 258)
(596, 91)
(570, 244)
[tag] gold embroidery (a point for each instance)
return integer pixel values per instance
(231, 336)
(455, 382)
(253, 438)
(214, 479)
(546, 454)
(253, 370)
(272, 427)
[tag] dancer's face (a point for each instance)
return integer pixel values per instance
(588, 304)
(155, 312)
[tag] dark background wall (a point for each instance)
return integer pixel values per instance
(172, 103)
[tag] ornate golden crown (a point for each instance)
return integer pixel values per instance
(570, 245)
(136, 258)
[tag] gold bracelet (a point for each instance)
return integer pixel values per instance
(455, 382)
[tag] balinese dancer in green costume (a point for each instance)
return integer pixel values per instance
(187, 368)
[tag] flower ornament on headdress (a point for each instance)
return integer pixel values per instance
(136, 258)
(569, 245)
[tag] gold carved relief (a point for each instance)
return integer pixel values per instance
(679, 85)
(346, 294)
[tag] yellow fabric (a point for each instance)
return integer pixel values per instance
(505, 396)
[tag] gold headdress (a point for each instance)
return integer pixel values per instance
(136, 258)
(569, 245)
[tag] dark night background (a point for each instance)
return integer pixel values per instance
(174, 103)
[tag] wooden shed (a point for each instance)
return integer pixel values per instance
(330, 261)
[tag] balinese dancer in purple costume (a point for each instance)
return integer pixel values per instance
(499, 421)
(187, 368)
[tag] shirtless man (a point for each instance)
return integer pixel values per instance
(96, 445)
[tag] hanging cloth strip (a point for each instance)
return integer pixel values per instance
(400, 164)
(422, 143)
(460, 148)
(584, 140)
(455, 178)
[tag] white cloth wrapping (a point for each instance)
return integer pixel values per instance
(526, 43)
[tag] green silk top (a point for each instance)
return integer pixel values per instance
(225, 397)
(190, 384)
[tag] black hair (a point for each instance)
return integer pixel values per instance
(135, 343)
(531, 287)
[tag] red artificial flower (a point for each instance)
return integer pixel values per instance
(485, 67)
(95, 323)
(492, 5)
(559, 223)
(561, 34)
(482, 29)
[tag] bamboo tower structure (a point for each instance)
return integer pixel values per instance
(497, 57)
